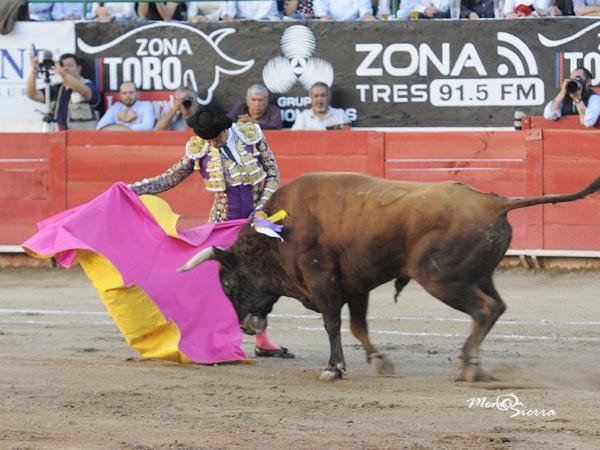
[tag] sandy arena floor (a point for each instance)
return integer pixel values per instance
(69, 381)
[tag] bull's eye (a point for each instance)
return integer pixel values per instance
(225, 283)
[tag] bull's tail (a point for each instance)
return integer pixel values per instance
(509, 205)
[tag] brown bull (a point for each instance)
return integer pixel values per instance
(349, 233)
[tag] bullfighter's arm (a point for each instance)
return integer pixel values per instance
(270, 167)
(165, 181)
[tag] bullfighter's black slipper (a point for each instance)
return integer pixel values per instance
(278, 353)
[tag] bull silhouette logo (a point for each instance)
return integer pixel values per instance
(297, 64)
(167, 56)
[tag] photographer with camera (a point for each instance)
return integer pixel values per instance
(75, 98)
(128, 113)
(185, 103)
(576, 97)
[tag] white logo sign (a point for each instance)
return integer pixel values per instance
(509, 402)
(157, 63)
(464, 79)
(297, 64)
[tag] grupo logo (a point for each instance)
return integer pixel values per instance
(191, 58)
(297, 65)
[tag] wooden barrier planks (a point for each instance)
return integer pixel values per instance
(32, 182)
(571, 162)
(42, 174)
(492, 161)
(299, 152)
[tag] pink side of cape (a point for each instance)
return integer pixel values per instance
(117, 225)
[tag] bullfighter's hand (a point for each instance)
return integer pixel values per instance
(244, 118)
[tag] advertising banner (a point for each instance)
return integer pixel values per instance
(428, 73)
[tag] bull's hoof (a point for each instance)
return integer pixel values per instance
(381, 364)
(332, 374)
(473, 373)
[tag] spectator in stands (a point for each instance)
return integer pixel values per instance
(565, 7)
(74, 90)
(251, 10)
(320, 116)
(118, 11)
(160, 10)
(587, 8)
(70, 11)
(40, 12)
(576, 97)
(185, 103)
(256, 109)
(477, 9)
(427, 9)
(205, 11)
(381, 9)
(514, 9)
(299, 9)
(344, 10)
(128, 111)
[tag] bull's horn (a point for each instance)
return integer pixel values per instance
(202, 256)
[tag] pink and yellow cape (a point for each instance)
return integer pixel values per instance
(130, 248)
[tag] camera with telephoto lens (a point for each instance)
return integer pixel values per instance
(575, 85)
(187, 101)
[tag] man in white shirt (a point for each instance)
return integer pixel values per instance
(427, 9)
(344, 10)
(320, 116)
(251, 10)
(576, 97)
(128, 112)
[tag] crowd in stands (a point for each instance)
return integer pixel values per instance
(130, 114)
(74, 102)
(74, 95)
(337, 10)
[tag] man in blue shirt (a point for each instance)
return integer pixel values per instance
(128, 111)
(74, 89)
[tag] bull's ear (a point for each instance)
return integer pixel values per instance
(225, 257)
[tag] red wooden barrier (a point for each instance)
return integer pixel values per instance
(489, 161)
(570, 122)
(41, 174)
(571, 162)
(32, 182)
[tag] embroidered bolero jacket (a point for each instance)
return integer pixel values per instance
(256, 168)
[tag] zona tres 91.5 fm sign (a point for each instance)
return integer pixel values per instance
(384, 74)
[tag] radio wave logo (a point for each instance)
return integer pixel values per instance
(297, 64)
(512, 54)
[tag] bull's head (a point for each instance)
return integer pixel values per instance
(244, 285)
